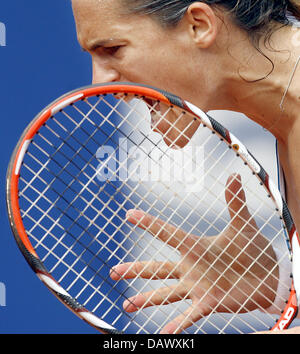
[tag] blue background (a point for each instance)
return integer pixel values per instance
(41, 61)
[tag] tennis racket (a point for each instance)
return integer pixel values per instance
(143, 214)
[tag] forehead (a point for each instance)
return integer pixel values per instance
(96, 15)
(88, 7)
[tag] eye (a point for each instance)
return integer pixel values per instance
(111, 50)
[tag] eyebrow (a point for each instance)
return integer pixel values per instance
(97, 44)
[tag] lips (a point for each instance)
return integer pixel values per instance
(154, 106)
(155, 112)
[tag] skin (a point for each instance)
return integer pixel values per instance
(120, 47)
(193, 270)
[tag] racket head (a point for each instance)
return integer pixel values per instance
(152, 95)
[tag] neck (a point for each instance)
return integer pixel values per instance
(264, 87)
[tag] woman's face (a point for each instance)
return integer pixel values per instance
(131, 48)
(136, 48)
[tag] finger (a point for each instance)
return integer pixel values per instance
(158, 228)
(236, 202)
(161, 296)
(146, 270)
(185, 320)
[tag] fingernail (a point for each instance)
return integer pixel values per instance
(134, 214)
(114, 273)
(129, 306)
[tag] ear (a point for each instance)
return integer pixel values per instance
(203, 24)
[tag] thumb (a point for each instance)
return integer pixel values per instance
(236, 203)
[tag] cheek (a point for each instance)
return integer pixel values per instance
(149, 67)
(154, 68)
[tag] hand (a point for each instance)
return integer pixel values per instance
(234, 271)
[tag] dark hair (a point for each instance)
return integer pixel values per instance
(257, 17)
(250, 15)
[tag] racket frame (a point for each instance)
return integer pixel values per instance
(12, 190)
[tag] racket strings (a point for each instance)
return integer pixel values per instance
(133, 109)
(117, 190)
(93, 107)
(88, 283)
(63, 212)
(210, 266)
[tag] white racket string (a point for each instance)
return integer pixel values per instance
(85, 232)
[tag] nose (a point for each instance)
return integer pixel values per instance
(103, 72)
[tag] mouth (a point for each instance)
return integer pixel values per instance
(175, 127)
(154, 108)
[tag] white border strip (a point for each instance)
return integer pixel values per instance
(21, 156)
(65, 103)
